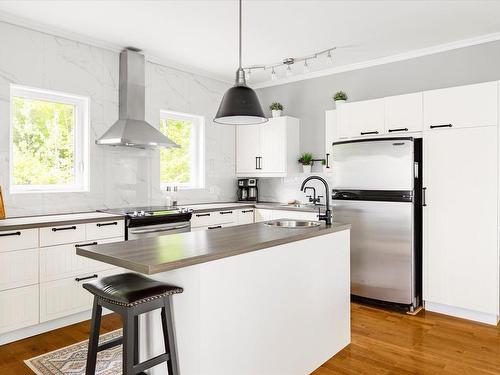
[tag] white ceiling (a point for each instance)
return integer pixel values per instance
(202, 35)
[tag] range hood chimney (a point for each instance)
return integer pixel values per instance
(131, 129)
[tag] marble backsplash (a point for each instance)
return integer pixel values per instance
(118, 176)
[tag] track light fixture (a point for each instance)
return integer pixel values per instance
(289, 61)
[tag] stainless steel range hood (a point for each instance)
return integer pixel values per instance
(131, 129)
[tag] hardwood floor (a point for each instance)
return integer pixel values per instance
(386, 343)
(383, 343)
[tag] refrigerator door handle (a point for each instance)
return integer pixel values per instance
(424, 204)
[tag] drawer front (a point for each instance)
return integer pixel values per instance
(18, 239)
(105, 229)
(225, 216)
(204, 218)
(18, 268)
(212, 227)
(18, 308)
(59, 262)
(60, 234)
(65, 297)
(245, 216)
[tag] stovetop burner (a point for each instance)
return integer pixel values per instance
(150, 211)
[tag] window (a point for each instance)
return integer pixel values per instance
(49, 141)
(184, 166)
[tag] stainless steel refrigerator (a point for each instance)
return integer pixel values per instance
(377, 189)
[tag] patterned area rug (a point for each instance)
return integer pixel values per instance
(71, 359)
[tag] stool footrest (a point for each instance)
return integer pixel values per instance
(151, 362)
(110, 344)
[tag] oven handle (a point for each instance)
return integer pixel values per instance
(164, 229)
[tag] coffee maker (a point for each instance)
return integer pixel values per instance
(247, 189)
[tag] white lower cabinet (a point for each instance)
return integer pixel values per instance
(245, 216)
(19, 308)
(266, 215)
(18, 268)
(65, 297)
(460, 255)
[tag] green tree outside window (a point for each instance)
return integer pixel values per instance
(175, 163)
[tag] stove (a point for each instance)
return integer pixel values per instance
(152, 221)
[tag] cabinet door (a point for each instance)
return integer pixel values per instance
(18, 268)
(263, 215)
(331, 135)
(463, 106)
(460, 218)
(364, 118)
(404, 113)
(273, 146)
(245, 216)
(18, 308)
(247, 148)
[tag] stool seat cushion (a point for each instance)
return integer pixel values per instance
(129, 289)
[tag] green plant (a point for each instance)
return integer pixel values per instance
(340, 95)
(306, 158)
(323, 161)
(276, 106)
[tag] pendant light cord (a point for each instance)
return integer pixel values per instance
(240, 37)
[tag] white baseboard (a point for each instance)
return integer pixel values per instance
(46, 326)
(458, 312)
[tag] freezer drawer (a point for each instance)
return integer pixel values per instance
(382, 253)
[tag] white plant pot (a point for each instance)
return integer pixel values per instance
(306, 168)
(276, 112)
(339, 103)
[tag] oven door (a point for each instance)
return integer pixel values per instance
(135, 233)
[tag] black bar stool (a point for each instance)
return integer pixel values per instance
(130, 295)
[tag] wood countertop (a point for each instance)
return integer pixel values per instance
(51, 220)
(166, 253)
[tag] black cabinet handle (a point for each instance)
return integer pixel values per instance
(225, 212)
(424, 204)
(106, 224)
(10, 234)
(246, 211)
(64, 228)
(328, 160)
(256, 162)
(201, 215)
(398, 130)
(366, 133)
(78, 279)
(216, 227)
(86, 244)
(441, 126)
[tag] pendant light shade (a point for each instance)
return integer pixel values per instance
(240, 104)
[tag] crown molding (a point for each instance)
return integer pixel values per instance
(80, 38)
(384, 60)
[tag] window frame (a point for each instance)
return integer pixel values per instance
(197, 146)
(80, 140)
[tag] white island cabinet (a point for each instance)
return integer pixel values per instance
(256, 300)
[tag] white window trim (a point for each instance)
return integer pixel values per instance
(81, 140)
(198, 162)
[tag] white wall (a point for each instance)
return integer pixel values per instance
(119, 176)
(309, 99)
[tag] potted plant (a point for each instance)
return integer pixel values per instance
(339, 98)
(276, 109)
(306, 161)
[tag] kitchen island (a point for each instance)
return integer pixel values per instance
(258, 300)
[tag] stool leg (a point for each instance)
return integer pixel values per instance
(169, 337)
(128, 343)
(95, 326)
(136, 341)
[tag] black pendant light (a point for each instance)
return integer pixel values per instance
(240, 104)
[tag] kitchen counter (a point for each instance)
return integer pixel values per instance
(250, 292)
(165, 253)
(207, 207)
(27, 222)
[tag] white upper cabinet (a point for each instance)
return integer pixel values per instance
(404, 113)
(365, 118)
(463, 106)
(268, 150)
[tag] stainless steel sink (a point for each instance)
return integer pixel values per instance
(293, 224)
